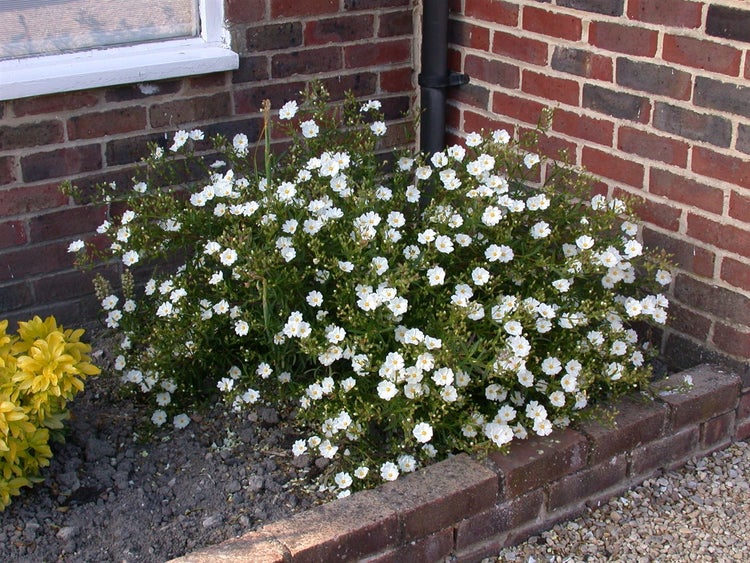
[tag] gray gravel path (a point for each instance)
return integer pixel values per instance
(698, 513)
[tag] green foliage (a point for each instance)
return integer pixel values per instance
(41, 369)
(408, 306)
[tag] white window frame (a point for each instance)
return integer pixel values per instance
(132, 64)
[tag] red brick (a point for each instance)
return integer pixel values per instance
(274, 36)
(599, 131)
(723, 303)
(628, 39)
(713, 392)
(93, 125)
(575, 489)
(499, 519)
(678, 188)
(706, 55)
(680, 13)
(345, 529)
(7, 170)
(732, 341)
(520, 48)
(12, 233)
(15, 296)
(60, 163)
(468, 35)
(519, 108)
(635, 422)
(435, 547)
(666, 453)
(664, 80)
(736, 272)
(743, 408)
(722, 167)
(684, 122)
(20, 263)
(492, 71)
(62, 286)
(396, 80)
(652, 212)
(727, 237)
(27, 199)
(550, 87)
(184, 111)
(553, 147)
(476, 122)
(693, 259)
(253, 546)
(654, 147)
(292, 8)
(22, 135)
(440, 495)
(341, 29)
(55, 103)
(555, 24)
(381, 53)
(582, 63)
(739, 206)
(391, 24)
(471, 95)
(534, 462)
(503, 13)
(66, 222)
(245, 11)
(718, 431)
(612, 166)
(689, 322)
(743, 430)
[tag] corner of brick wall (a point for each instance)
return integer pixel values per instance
(467, 509)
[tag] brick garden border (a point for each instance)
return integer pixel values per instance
(464, 509)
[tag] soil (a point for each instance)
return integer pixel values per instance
(112, 493)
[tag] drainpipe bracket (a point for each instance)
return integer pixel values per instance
(439, 81)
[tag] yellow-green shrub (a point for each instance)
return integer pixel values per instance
(41, 369)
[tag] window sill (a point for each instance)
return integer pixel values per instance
(21, 78)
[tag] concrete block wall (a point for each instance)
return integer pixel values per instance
(652, 97)
(99, 135)
(465, 509)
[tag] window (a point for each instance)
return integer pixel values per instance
(62, 45)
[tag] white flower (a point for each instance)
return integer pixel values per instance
(163, 399)
(314, 299)
(387, 390)
(159, 417)
(140, 187)
(501, 137)
(241, 328)
(370, 105)
(130, 257)
(378, 128)
(225, 384)
(663, 277)
(499, 433)
(542, 427)
(165, 309)
(181, 421)
(584, 242)
(76, 245)
(473, 139)
(389, 471)
(436, 275)
(551, 366)
(444, 244)
(562, 285)
(240, 144)
(380, 264)
(288, 110)
(327, 450)
(480, 276)
(343, 480)
(299, 447)
(540, 230)
(502, 253)
(422, 432)
(406, 463)
(109, 302)
(530, 160)
(557, 399)
(309, 128)
(180, 138)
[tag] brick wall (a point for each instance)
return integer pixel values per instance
(653, 97)
(99, 135)
(464, 510)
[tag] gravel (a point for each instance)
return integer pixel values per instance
(698, 513)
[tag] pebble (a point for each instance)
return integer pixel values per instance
(678, 516)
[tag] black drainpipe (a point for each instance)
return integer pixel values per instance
(435, 78)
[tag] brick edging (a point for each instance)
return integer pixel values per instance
(466, 509)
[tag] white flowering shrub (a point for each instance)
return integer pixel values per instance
(408, 307)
